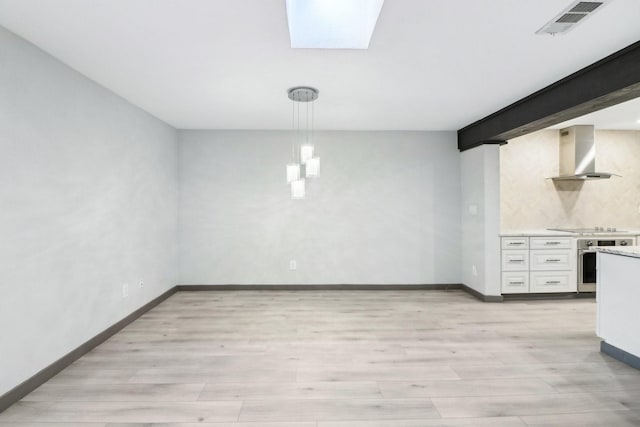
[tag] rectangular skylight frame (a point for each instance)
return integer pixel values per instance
(332, 24)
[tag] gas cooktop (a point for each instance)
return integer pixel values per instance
(595, 230)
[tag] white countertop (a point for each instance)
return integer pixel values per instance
(538, 232)
(630, 251)
(542, 232)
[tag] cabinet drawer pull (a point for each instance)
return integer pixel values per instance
(552, 260)
(551, 243)
(515, 243)
(552, 282)
(516, 283)
(516, 260)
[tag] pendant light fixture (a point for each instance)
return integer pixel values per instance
(304, 164)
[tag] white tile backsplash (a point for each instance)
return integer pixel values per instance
(528, 200)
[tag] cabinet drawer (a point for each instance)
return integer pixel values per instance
(551, 260)
(551, 242)
(515, 243)
(515, 260)
(515, 282)
(550, 281)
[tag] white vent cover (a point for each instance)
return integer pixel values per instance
(575, 13)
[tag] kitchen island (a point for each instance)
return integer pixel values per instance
(618, 303)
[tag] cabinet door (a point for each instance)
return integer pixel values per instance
(550, 281)
(551, 260)
(515, 282)
(550, 243)
(517, 260)
(515, 243)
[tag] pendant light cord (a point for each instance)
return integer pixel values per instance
(298, 133)
(293, 129)
(312, 115)
(307, 120)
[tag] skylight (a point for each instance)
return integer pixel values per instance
(332, 24)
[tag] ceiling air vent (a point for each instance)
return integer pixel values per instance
(585, 7)
(570, 17)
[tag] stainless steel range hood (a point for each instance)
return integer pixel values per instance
(578, 155)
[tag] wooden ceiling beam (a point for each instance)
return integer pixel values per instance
(608, 82)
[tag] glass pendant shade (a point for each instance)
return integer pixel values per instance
(293, 172)
(297, 189)
(312, 167)
(306, 152)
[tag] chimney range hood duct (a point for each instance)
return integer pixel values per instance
(578, 155)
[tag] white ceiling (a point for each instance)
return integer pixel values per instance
(227, 64)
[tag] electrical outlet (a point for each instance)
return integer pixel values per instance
(125, 290)
(473, 210)
(293, 264)
(141, 284)
(474, 270)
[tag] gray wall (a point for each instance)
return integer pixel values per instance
(386, 209)
(480, 206)
(88, 202)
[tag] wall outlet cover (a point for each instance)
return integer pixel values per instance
(293, 264)
(125, 290)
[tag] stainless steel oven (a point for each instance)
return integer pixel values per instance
(587, 260)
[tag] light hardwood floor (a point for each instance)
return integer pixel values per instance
(343, 359)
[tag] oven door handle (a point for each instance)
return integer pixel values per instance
(586, 251)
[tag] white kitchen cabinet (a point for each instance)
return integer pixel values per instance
(550, 260)
(515, 260)
(551, 243)
(515, 282)
(515, 265)
(553, 265)
(538, 264)
(617, 299)
(515, 243)
(550, 281)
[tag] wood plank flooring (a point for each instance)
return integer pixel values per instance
(343, 359)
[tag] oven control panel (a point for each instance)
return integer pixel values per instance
(588, 243)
